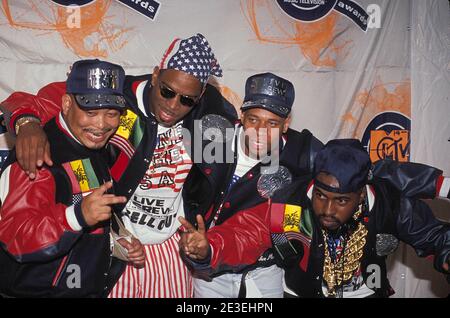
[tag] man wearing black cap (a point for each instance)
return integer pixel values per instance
(235, 250)
(55, 230)
(333, 235)
(156, 170)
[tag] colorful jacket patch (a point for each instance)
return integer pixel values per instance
(129, 134)
(82, 176)
(291, 222)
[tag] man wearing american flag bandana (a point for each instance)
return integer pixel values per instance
(154, 168)
(193, 56)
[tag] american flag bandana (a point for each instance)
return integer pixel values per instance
(193, 56)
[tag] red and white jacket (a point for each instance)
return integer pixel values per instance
(43, 235)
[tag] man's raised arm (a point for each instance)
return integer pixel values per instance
(24, 115)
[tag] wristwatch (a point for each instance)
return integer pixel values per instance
(25, 120)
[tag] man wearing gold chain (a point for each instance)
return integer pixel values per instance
(346, 223)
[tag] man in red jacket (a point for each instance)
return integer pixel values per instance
(55, 230)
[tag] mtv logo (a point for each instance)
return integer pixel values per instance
(394, 145)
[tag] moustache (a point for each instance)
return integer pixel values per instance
(329, 218)
(98, 132)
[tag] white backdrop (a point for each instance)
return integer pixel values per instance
(344, 77)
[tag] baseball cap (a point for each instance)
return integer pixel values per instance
(270, 92)
(347, 161)
(96, 84)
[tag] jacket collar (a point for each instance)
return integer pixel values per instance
(141, 91)
(62, 125)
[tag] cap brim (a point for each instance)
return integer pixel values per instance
(98, 101)
(271, 107)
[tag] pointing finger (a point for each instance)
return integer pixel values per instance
(109, 200)
(103, 188)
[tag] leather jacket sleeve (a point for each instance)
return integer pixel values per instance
(411, 179)
(418, 227)
(237, 242)
(416, 223)
(45, 105)
(33, 228)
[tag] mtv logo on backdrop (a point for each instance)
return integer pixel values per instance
(388, 136)
(393, 145)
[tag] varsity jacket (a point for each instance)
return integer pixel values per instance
(47, 249)
(136, 138)
(389, 214)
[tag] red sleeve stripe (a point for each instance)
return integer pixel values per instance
(135, 85)
(305, 259)
(277, 217)
(309, 189)
(209, 213)
(58, 272)
(439, 182)
(119, 166)
(443, 189)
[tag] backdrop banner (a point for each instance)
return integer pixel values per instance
(377, 70)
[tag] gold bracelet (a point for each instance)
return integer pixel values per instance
(25, 120)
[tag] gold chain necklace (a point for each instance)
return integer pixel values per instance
(352, 255)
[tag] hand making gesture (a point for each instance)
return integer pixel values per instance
(193, 241)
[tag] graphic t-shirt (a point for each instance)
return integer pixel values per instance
(355, 287)
(152, 212)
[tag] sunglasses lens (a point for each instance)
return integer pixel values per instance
(186, 101)
(167, 93)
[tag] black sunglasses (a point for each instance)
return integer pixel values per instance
(167, 93)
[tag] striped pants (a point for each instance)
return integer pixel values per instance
(163, 276)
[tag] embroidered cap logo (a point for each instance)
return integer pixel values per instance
(101, 78)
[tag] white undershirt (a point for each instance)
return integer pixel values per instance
(244, 162)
